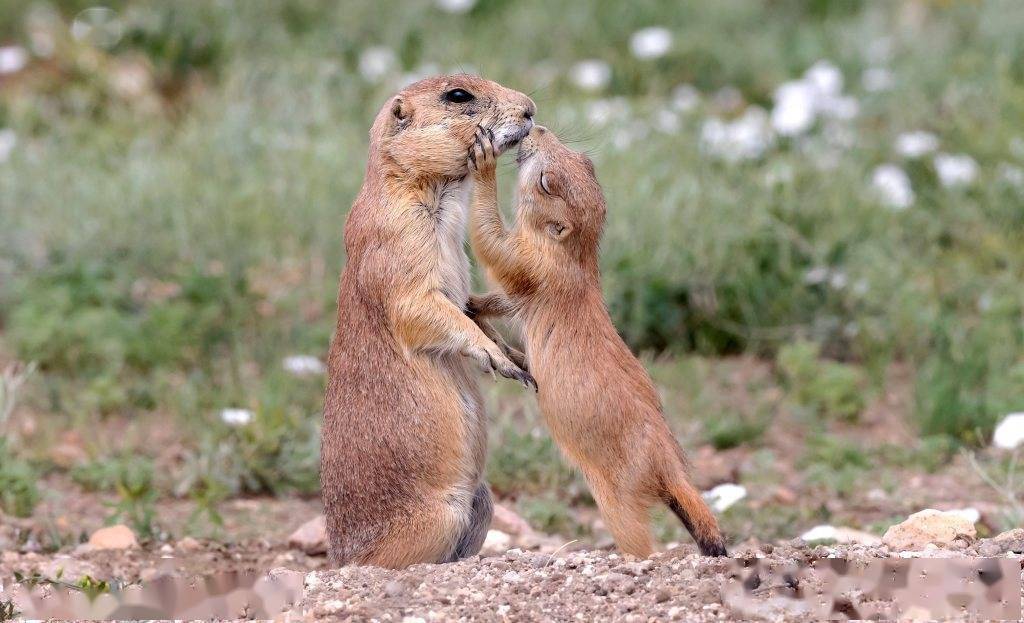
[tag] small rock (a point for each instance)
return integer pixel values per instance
(1010, 432)
(927, 527)
(496, 542)
(311, 537)
(839, 535)
(508, 521)
(189, 544)
(394, 588)
(113, 537)
(970, 513)
(724, 496)
(1011, 541)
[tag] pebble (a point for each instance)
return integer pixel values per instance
(113, 537)
(310, 537)
(927, 527)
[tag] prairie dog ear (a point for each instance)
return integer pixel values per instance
(401, 114)
(558, 230)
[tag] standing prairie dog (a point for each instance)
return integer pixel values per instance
(404, 436)
(596, 397)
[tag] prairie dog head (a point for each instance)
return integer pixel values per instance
(426, 129)
(560, 200)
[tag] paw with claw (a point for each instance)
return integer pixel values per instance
(491, 359)
(483, 157)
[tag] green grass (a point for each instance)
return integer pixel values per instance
(162, 249)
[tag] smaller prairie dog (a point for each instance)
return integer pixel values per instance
(596, 397)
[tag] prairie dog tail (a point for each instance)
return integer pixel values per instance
(686, 502)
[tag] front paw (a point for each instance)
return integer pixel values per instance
(483, 157)
(493, 360)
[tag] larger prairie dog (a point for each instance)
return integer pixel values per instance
(597, 399)
(404, 437)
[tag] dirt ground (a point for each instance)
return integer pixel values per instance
(786, 582)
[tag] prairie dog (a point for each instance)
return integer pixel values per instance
(404, 437)
(599, 402)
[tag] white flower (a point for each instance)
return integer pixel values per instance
(623, 137)
(892, 186)
(376, 62)
(1017, 146)
(652, 42)
(955, 169)
(591, 74)
(875, 79)
(745, 138)
(816, 275)
(666, 121)
(13, 59)
(236, 417)
(985, 302)
(604, 111)
(838, 280)
(844, 107)
(825, 78)
(916, 144)
(423, 71)
(1011, 175)
(799, 102)
(303, 365)
(685, 97)
(794, 110)
(723, 496)
(8, 141)
(455, 6)
(1010, 432)
(98, 25)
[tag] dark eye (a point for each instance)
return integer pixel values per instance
(459, 96)
(544, 184)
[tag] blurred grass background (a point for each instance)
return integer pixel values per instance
(174, 178)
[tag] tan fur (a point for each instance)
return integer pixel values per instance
(600, 404)
(404, 437)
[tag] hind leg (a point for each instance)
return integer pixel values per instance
(627, 515)
(429, 534)
(472, 538)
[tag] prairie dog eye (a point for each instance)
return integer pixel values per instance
(459, 96)
(544, 184)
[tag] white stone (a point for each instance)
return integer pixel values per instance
(892, 185)
(496, 542)
(916, 144)
(1010, 432)
(839, 535)
(955, 170)
(724, 496)
(652, 42)
(591, 74)
(236, 417)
